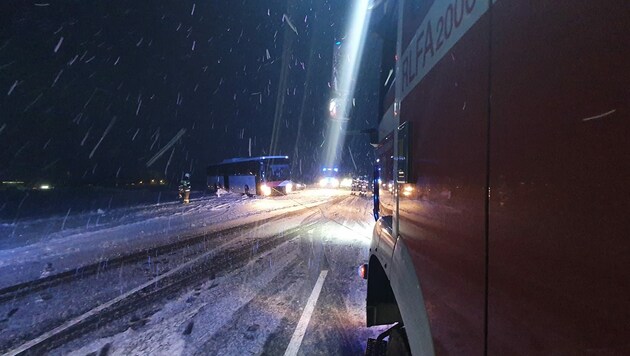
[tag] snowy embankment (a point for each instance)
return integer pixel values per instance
(54, 244)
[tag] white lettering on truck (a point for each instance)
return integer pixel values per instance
(445, 23)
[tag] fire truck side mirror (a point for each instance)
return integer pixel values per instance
(375, 190)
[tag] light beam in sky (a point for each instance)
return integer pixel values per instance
(343, 90)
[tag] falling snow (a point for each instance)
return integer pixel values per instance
(12, 88)
(137, 89)
(58, 44)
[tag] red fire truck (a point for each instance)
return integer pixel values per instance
(503, 198)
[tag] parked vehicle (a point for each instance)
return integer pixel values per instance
(359, 186)
(329, 177)
(502, 198)
(267, 175)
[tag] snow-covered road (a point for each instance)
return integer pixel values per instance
(66, 242)
(253, 308)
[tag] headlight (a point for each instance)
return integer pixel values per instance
(288, 188)
(266, 190)
(329, 182)
(346, 182)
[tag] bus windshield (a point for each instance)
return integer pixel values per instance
(276, 171)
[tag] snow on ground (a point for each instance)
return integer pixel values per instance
(250, 308)
(211, 305)
(70, 240)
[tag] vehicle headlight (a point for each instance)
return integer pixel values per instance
(265, 189)
(346, 182)
(288, 188)
(334, 182)
(323, 182)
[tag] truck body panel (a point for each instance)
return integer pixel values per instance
(559, 253)
(508, 184)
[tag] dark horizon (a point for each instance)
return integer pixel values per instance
(97, 92)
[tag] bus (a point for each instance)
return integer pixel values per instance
(266, 175)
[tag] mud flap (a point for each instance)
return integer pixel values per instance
(376, 347)
(398, 344)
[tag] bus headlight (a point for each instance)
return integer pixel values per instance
(265, 189)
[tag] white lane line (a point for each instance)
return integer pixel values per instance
(300, 329)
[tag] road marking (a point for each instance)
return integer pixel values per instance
(26, 347)
(300, 329)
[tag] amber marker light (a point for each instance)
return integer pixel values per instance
(363, 271)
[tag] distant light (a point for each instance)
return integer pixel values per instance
(338, 43)
(345, 183)
(329, 182)
(332, 108)
(12, 182)
(378, 160)
(44, 187)
(336, 169)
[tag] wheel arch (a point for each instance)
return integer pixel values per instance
(394, 295)
(381, 305)
(405, 283)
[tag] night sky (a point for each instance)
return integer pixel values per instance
(105, 91)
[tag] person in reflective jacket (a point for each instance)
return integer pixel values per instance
(184, 188)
